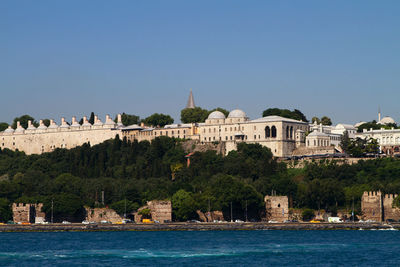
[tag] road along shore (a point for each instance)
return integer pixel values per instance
(196, 227)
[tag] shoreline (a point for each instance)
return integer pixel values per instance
(78, 227)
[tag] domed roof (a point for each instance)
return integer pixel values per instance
(9, 130)
(237, 113)
(216, 115)
(316, 133)
(387, 120)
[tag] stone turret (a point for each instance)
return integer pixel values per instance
(53, 125)
(86, 123)
(20, 129)
(119, 120)
(97, 121)
(42, 127)
(64, 124)
(75, 123)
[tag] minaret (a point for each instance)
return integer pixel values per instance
(190, 103)
(379, 114)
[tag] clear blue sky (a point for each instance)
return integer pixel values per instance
(65, 58)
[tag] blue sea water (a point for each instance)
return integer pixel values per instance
(201, 248)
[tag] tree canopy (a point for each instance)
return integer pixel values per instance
(375, 126)
(24, 121)
(158, 119)
(197, 114)
(128, 119)
(3, 126)
(295, 114)
(141, 171)
(192, 115)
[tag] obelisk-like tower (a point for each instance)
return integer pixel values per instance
(190, 103)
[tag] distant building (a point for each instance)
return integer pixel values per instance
(388, 139)
(281, 135)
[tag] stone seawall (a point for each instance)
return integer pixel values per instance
(197, 227)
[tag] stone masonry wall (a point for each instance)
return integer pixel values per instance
(100, 214)
(371, 206)
(277, 208)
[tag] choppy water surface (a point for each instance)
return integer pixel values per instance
(203, 248)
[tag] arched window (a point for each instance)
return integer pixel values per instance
(273, 131)
(267, 132)
(291, 132)
(287, 132)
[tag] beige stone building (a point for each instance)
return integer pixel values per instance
(281, 135)
(43, 139)
(388, 139)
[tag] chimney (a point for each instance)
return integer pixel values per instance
(119, 119)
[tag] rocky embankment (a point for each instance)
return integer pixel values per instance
(197, 227)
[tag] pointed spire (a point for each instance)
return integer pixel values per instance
(190, 103)
(379, 114)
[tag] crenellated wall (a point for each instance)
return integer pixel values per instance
(378, 207)
(43, 139)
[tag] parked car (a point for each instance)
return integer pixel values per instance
(239, 221)
(85, 222)
(66, 222)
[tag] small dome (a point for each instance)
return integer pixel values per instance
(237, 113)
(216, 115)
(316, 133)
(9, 130)
(387, 120)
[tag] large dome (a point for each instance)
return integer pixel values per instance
(387, 120)
(216, 115)
(237, 113)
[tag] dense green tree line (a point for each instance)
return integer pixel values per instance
(132, 173)
(295, 114)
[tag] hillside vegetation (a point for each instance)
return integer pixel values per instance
(134, 173)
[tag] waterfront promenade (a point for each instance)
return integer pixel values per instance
(196, 227)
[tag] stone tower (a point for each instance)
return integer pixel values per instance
(190, 103)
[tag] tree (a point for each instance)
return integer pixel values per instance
(326, 120)
(124, 206)
(192, 115)
(24, 121)
(128, 119)
(65, 207)
(295, 114)
(3, 126)
(183, 205)
(315, 119)
(345, 141)
(5, 210)
(46, 122)
(91, 118)
(307, 214)
(158, 119)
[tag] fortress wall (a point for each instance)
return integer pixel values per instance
(37, 143)
(371, 206)
(389, 211)
(277, 208)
